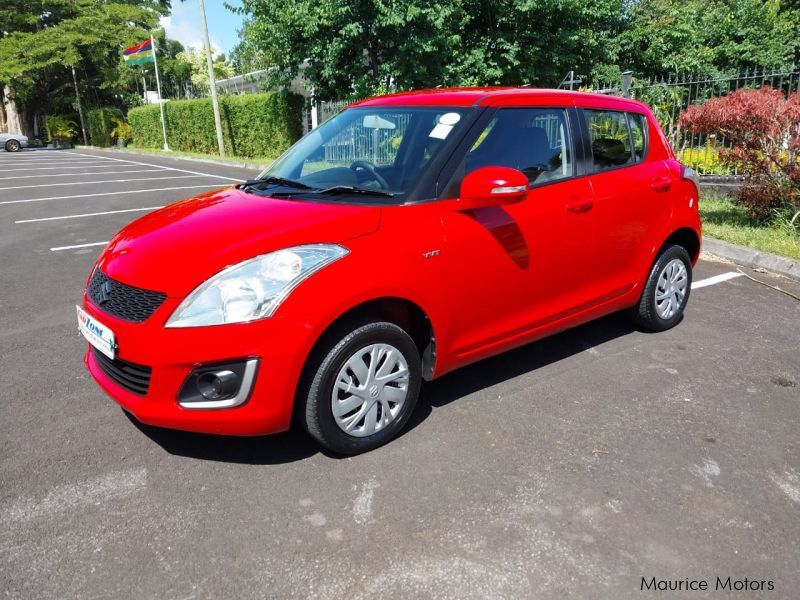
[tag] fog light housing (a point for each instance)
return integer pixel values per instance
(219, 385)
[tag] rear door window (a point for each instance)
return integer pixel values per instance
(532, 140)
(610, 139)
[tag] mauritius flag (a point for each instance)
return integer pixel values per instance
(139, 54)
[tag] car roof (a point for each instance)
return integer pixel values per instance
(485, 96)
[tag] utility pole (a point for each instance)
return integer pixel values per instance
(80, 110)
(212, 81)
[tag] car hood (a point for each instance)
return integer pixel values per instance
(178, 247)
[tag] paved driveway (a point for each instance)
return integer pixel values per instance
(572, 467)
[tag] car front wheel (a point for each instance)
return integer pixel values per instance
(666, 292)
(363, 388)
(13, 146)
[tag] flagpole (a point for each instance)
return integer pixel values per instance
(160, 97)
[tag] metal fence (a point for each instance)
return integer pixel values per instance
(378, 146)
(669, 96)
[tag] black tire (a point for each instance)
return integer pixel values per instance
(644, 314)
(315, 393)
(13, 146)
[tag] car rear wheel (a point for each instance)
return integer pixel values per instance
(363, 388)
(13, 146)
(666, 292)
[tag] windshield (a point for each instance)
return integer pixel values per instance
(381, 149)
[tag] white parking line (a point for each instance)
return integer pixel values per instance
(94, 214)
(29, 157)
(715, 280)
(40, 152)
(110, 166)
(27, 161)
(22, 187)
(183, 187)
(59, 248)
(8, 161)
(173, 168)
(77, 161)
(80, 174)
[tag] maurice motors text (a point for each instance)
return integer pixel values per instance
(727, 584)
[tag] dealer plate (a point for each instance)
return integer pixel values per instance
(96, 333)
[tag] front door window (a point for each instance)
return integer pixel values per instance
(532, 140)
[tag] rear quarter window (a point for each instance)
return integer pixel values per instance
(638, 125)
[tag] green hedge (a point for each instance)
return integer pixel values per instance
(99, 125)
(262, 125)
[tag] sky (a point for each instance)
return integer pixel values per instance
(183, 24)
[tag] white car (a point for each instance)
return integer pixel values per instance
(13, 142)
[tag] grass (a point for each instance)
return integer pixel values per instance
(725, 220)
(257, 160)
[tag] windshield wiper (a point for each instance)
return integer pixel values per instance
(274, 180)
(339, 190)
(349, 189)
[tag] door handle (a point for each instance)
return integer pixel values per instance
(579, 205)
(661, 184)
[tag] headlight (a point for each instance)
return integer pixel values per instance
(253, 289)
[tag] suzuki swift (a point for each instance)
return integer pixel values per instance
(406, 237)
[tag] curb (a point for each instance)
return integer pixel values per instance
(747, 257)
(212, 161)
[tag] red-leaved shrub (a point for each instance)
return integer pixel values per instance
(763, 128)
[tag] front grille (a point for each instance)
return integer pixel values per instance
(122, 300)
(134, 378)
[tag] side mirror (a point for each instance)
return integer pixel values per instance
(492, 186)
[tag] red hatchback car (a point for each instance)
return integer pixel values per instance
(404, 238)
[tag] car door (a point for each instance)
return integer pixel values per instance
(520, 266)
(630, 199)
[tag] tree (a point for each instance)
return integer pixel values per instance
(246, 57)
(359, 47)
(196, 62)
(708, 36)
(41, 40)
(176, 74)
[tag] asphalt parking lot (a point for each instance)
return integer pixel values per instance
(572, 467)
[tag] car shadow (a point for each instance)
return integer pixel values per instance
(295, 445)
(511, 364)
(280, 448)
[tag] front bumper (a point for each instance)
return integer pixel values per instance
(173, 354)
